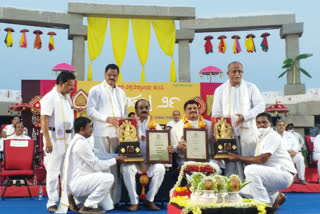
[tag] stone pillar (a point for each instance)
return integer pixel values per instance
(291, 33)
(183, 38)
(78, 59)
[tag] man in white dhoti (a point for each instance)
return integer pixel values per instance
(271, 169)
(175, 119)
(155, 171)
(294, 149)
(56, 118)
(316, 152)
(191, 119)
(242, 101)
(106, 104)
(83, 177)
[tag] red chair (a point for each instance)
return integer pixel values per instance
(18, 161)
(311, 162)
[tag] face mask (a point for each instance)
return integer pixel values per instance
(263, 131)
(291, 130)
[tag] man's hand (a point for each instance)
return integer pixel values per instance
(292, 153)
(182, 145)
(233, 157)
(114, 121)
(3, 135)
(170, 149)
(120, 159)
(49, 147)
(239, 120)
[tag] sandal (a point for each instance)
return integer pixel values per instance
(52, 208)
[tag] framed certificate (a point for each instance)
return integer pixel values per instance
(197, 145)
(157, 143)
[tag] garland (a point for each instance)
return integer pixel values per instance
(201, 124)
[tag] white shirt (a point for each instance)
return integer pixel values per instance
(299, 138)
(105, 101)
(83, 161)
(172, 123)
(316, 144)
(280, 157)
(290, 141)
(48, 105)
(22, 137)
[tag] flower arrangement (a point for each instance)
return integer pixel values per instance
(234, 183)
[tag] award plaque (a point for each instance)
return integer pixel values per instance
(128, 137)
(197, 145)
(224, 141)
(157, 144)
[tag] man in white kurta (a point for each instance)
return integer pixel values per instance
(57, 118)
(290, 128)
(9, 130)
(155, 171)
(18, 133)
(294, 149)
(106, 104)
(192, 116)
(83, 176)
(242, 101)
(175, 119)
(271, 169)
(316, 152)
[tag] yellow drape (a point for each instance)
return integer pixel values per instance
(165, 31)
(119, 37)
(235, 46)
(249, 45)
(97, 28)
(9, 40)
(141, 29)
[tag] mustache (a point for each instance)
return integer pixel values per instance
(193, 112)
(144, 112)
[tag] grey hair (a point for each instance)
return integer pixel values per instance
(281, 120)
(234, 62)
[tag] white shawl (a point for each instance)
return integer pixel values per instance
(64, 201)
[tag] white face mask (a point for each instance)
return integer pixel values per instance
(263, 131)
(291, 130)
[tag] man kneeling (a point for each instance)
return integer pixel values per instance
(82, 174)
(271, 169)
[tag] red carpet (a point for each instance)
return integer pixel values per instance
(310, 187)
(22, 191)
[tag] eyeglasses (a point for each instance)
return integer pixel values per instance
(143, 107)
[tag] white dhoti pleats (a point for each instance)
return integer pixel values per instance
(265, 182)
(93, 190)
(155, 171)
(110, 145)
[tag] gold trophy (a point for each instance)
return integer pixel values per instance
(129, 144)
(224, 141)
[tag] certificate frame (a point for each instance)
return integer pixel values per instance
(165, 135)
(204, 144)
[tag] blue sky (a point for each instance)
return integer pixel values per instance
(260, 68)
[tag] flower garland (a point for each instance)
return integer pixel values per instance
(201, 124)
(188, 206)
(190, 165)
(144, 180)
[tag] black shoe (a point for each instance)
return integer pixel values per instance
(117, 206)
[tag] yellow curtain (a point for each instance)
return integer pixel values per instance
(141, 29)
(97, 28)
(165, 31)
(119, 37)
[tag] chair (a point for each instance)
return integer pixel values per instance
(311, 162)
(18, 161)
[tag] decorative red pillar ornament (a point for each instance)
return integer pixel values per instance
(264, 44)
(208, 45)
(250, 43)
(37, 42)
(236, 45)
(23, 40)
(51, 42)
(222, 45)
(8, 40)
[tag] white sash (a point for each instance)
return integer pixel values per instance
(64, 201)
(106, 91)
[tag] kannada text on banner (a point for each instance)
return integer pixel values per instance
(164, 98)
